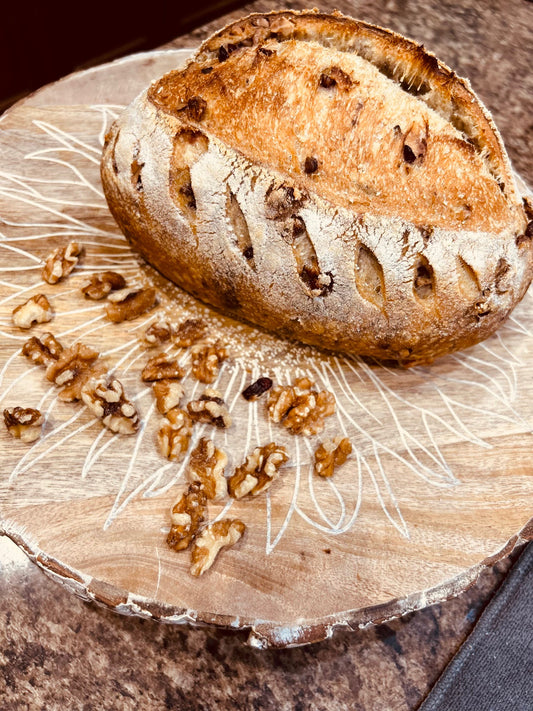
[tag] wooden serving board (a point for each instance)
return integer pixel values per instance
(439, 485)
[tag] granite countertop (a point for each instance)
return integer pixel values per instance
(58, 652)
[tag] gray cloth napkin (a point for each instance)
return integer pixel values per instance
(493, 670)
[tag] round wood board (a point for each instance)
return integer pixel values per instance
(439, 484)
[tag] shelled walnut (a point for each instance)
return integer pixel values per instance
(37, 309)
(168, 394)
(301, 408)
(206, 360)
(74, 367)
(210, 542)
(331, 454)
(106, 399)
(190, 332)
(162, 367)
(157, 334)
(127, 304)
(61, 262)
(206, 465)
(210, 408)
(102, 284)
(175, 434)
(43, 349)
(258, 472)
(24, 423)
(186, 515)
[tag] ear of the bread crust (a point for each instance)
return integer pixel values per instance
(406, 62)
(349, 125)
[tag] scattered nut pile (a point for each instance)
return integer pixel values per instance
(299, 407)
(81, 375)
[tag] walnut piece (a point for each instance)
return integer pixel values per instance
(282, 201)
(74, 367)
(301, 408)
(282, 26)
(206, 359)
(161, 367)
(105, 398)
(168, 394)
(157, 334)
(258, 472)
(34, 310)
(61, 262)
(206, 465)
(334, 76)
(43, 349)
(24, 423)
(175, 434)
(211, 540)
(127, 304)
(102, 284)
(211, 408)
(331, 454)
(190, 332)
(186, 516)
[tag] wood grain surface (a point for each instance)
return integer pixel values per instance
(440, 482)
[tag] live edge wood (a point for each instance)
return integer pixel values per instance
(411, 542)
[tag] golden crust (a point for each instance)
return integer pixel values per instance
(328, 180)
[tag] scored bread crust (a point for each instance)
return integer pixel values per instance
(328, 180)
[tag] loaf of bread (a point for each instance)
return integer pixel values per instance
(327, 180)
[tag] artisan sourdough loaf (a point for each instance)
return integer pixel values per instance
(328, 180)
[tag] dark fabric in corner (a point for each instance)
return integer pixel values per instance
(493, 670)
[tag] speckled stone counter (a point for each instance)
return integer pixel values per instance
(58, 652)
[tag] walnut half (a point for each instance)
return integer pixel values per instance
(206, 360)
(34, 310)
(157, 334)
(206, 465)
(211, 408)
(258, 472)
(127, 304)
(105, 398)
(61, 262)
(331, 454)
(161, 367)
(210, 542)
(102, 284)
(43, 349)
(301, 408)
(24, 423)
(175, 434)
(74, 367)
(186, 516)
(168, 394)
(190, 331)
